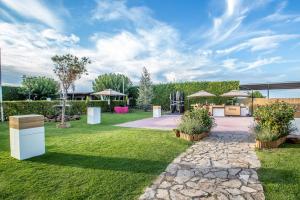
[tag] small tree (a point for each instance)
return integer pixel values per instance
(145, 90)
(68, 69)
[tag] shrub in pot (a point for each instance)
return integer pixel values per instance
(195, 124)
(273, 124)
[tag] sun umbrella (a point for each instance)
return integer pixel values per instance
(236, 93)
(109, 92)
(201, 93)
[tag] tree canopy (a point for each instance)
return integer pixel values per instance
(112, 81)
(39, 87)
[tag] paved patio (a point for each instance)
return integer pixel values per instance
(169, 122)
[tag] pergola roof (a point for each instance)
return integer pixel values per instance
(270, 86)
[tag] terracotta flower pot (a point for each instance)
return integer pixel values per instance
(270, 144)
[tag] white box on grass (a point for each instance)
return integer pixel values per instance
(156, 111)
(27, 136)
(94, 115)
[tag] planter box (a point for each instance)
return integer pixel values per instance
(177, 132)
(94, 115)
(195, 137)
(27, 136)
(271, 144)
(156, 111)
(121, 110)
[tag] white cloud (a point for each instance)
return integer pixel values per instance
(259, 63)
(53, 35)
(117, 10)
(229, 63)
(33, 9)
(226, 24)
(259, 43)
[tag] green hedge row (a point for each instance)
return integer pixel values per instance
(46, 107)
(162, 92)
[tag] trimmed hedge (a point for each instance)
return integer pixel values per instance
(162, 92)
(46, 107)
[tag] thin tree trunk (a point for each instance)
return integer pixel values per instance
(63, 111)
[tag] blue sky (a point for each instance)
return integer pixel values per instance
(250, 41)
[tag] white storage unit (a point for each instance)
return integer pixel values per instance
(156, 111)
(27, 136)
(218, 112)
(245, 111)
(94, 115)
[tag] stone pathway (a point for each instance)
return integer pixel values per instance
(222, 166)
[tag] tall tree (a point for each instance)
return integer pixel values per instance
(39, 87)
(112, 81)
(68, 69)
(145, 90)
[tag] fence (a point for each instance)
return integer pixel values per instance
(263, 101)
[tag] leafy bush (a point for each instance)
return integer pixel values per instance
(46, 107)
(12, 93)
(273, 121)
(196, 122)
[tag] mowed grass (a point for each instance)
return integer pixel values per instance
(89, 161)
(280, 172)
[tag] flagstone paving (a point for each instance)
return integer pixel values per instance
(222, 166)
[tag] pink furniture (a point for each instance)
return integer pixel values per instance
(119, 109)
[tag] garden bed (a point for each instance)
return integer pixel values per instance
(269, 144)
(194, 137)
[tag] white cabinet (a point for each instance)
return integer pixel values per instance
(156, 111)
(94, 115)
(218, 112)
(27, 136)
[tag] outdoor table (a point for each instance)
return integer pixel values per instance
(27, 136)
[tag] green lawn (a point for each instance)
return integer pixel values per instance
(89, 161)
(280, 172)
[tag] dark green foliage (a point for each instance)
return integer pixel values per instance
(162, 92)
(46, 107)
(12, 93)
(133, 95)
(112, 81)
(273, 121)
(39, 87)
(257, 94)
(196, 122)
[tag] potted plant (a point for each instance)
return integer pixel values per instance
(195, 124)
(273, 122)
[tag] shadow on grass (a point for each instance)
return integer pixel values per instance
(278, 176)
(99, 162)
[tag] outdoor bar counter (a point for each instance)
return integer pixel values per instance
(227, 110)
